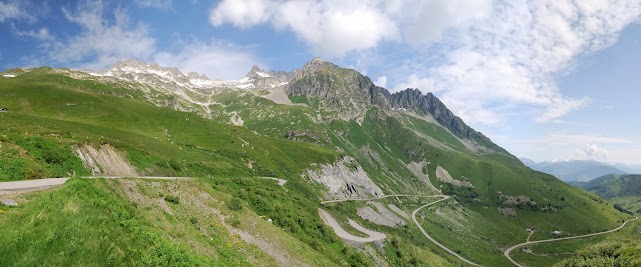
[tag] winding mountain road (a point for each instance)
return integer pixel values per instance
(432, 239)
(507, 251)
(340, 232)
(443, 198)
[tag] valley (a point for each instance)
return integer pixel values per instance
(314, 167)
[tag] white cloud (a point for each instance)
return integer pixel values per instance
(107, 36)
(103, 40)
(13, 10)
(427, 20)
(217, 60)
(381, 81)
(42, 34)
(515, 54)
(243, 14)
(154, 3)
(331, 27)
(591, 152)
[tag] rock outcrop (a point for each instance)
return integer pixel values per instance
(345, 179)
(345, 93)
(104, 161)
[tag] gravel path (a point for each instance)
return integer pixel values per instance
(507, 251)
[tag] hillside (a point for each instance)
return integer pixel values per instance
(623, 190)
(328, 131)
(573, 170)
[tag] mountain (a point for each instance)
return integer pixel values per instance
(573, 170)
(623, 190)
(323, 132)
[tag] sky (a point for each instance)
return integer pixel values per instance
(548, 80)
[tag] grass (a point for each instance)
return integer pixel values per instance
(83, 223)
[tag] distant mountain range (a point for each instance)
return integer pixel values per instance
(577, 170)
(623, 190)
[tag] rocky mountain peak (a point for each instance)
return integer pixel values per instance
(315, 64)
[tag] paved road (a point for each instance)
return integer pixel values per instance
(340, 232)
(444, 197)
(432, 239)
(507, 251)
(368, 199)
(47, 183)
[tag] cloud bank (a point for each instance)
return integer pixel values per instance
(487, 59)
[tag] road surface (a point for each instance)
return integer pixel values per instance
(444, 197)
(507, 251)
(340, 232)
(368, 199)
(432, 239)
(47, 183)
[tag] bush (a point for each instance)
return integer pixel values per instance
(235, 204)
(233, 221)
(172, 199)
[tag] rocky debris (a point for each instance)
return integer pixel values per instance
(235, 119)
(380, 216)
(412, 152)
(507, 212)
(417, 169)
(279, 97)
(105, 161)
(518, 200)
(369, 214)
(8, 202)
(444, 176)
(306, 135)
(399, 211)
(345, 179)
(387, 213)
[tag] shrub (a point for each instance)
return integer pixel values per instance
(235, 204)
(172, 199)
(233, 221)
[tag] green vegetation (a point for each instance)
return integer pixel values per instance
(624, 191)
(172, 199)
(83, 223)
(51, 113)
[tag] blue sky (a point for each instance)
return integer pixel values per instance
(549, 80)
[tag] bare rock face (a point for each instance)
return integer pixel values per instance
(105, 161)
(345, 93)
(345, 179)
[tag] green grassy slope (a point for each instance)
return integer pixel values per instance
(135, 223)
(51, 112)
(623, 190)
(45, 108)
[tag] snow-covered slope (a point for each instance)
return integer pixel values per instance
(154, 74)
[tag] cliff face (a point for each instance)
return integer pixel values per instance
(343, 92)
(413, 99)
(428, 104)
(347, 95)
